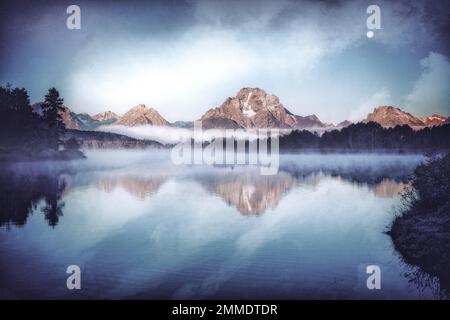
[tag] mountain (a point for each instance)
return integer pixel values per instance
(141, 115)
(254, 108)
(310, 121)
(183, 124)
(86, 122)
(69, 118)
(389, 116)
(434, 120)
(250, 108)
(137, 116)
(343, 124)
(72, 120)
(106, 117)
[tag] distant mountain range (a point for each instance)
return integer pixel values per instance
(389, 116)
(250, 108)
(81, 121)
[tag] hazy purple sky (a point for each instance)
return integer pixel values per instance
(183, 57)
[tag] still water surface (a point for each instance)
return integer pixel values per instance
(140, 227)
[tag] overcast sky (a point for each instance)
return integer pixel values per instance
(184, 57)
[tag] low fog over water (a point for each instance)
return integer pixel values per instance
(139, 226)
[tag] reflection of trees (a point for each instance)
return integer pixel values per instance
(439, 286)
(52, 208)
(252, 193)
(355, 173)
(22, 192)
(421, 233)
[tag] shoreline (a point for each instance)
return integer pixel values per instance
(424, 242)
(421, 234)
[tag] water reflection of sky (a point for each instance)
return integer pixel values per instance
(145, 229)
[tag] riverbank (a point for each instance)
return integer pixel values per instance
(422, 233)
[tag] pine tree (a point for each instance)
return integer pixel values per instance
(53, 107)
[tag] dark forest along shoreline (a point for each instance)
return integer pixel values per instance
(422, 232)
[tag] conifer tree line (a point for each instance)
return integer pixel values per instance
(21, 129)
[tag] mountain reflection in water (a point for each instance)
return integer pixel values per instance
(141, 227)
(27, 186)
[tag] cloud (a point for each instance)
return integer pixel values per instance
(164, 135)
(175, 77)
(226, 47)
(432, 90)
(188, 56)
(379, 98)
(430, 93)
(172, 135)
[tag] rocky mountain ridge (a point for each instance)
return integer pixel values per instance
(250, 108)
(389, 116)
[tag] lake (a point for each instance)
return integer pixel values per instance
(141, 227)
